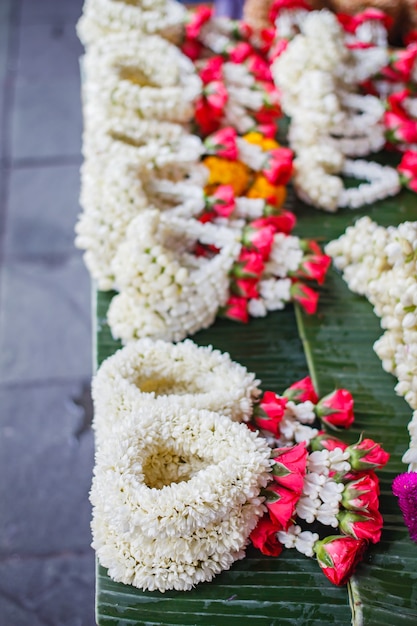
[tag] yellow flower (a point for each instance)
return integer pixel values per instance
(225, 172)
(260, 140)
(262, 188)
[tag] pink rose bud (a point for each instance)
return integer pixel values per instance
(289, 466)
(239, 52)
(301, 391)
(282, 5)
(278, 168)
(336, 409)
(212, 70)
(361, 524)
(281, 503)
(236, 308)
(250, 264)
(407, 169)
(338, 556)
(223, 144)
(258, 67)
(324, 441)
(367, 455)
(245, 287)
(282, 221)
(260, 237)
(269, 412)
(314, 267)
(264, 537)
(362, 493)
(306, 297)
(196, 20)
(223, 200)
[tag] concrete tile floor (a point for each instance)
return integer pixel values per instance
(46, 443)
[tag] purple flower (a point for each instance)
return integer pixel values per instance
(404, 487)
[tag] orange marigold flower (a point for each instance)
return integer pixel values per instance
(259, 139)
(225, 172)
(262, 188)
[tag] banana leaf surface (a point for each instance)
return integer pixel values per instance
(335, 347)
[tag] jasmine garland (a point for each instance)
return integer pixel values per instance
(164, 374)
(380, 263)
(176, 495)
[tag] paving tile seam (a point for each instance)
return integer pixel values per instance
(47, 556)
(51, 260)
(49, 161)
(37, 383)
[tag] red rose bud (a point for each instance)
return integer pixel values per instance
(216, 95)
(336, 409)
(281, 5)
(211, 70)
(278, 168)
(323, 441)
(310, 246)
(258, 68)
(266, 37)
(400, 128)
(314, 267)
(282, 221)
(207, 119)
(245, 287)
(403, 62)
(267, 130)
(260, 237)
(338, 556)
(305, 296)
(281, 503)
(242, 30)
(222, 143)
(301, 391)
(197, 19)
(269, 412)
(362, 493)
(277, 48)
(407, 169)
(236, 309)
(264, 537)
(223, 200)
(361, 524)
(191, 48)
(239, 52)
(289, 466)
(367, 455)
(249, 264)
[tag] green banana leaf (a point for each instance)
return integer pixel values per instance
(335, 347)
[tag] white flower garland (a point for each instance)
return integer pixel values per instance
(380, 263)
(318, 76)
(176, 494)
(166, 291)
(148, 75)
(103, 17)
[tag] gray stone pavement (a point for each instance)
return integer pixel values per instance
(46, 443)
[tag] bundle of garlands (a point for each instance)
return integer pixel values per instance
(194, 461)
(185, 226)
(323, 499)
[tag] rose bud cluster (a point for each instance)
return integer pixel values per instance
(323, 499)
(246, 185)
